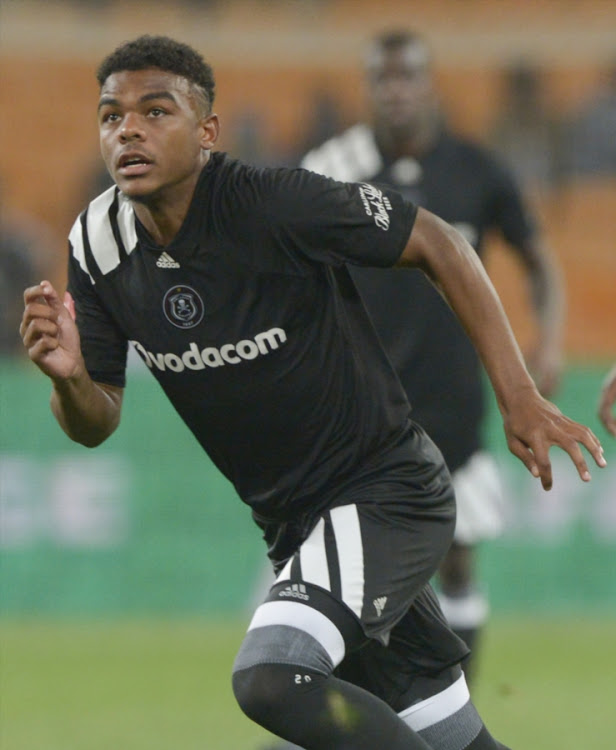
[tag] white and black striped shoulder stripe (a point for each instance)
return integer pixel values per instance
(104, 234)
(351, 156)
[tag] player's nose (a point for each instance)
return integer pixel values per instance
(132, 127)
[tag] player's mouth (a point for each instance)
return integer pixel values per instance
(134, 164)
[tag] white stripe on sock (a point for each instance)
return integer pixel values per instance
(303, 618)
(438, 707)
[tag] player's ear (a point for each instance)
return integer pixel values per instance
(210, 127)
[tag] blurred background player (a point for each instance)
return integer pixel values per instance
(25, 244)
(525, 133)
(591, 143)
(407, 145)
(607, 399)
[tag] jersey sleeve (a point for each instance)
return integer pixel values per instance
(333, 222)
(103, 346)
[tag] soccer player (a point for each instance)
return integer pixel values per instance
(232, 284)
(607, 399)
(407, 146)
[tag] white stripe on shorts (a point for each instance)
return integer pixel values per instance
(345, 522)
(303, 618)
(438, 707)
(285, 573)
(313, 558)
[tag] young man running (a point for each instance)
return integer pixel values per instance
(232, 284)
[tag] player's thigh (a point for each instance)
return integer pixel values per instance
(372, 558)
(355, 575)
(421, 657)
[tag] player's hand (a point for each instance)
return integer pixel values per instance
(533, 425)
(49, 332)
(607, 400)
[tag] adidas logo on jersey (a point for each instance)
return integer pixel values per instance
(166, 261)
(295, 591)
(379, 604)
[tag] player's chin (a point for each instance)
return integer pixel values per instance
(137, 189)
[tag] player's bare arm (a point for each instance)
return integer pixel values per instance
(88, 412)
(532, 424)
(607, 399)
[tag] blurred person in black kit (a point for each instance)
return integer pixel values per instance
(526, 135)
(24, 258)
(232, 283)
(607, 399)
(407, 146)
(591, 131)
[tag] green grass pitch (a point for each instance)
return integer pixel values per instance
(544, 684)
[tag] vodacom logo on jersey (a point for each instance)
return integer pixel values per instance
(195, 358)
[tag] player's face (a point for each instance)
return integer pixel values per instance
(400, 87)
(153, 134)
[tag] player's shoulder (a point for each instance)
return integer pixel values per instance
(244, 195)
(468, 147)
(473, 150)
(358, 133)
(243, 184)
(476, 158)
(104, 232)
(349, 156)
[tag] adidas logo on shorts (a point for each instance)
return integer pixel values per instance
(166, 261)
(379, 604)
(295, 591)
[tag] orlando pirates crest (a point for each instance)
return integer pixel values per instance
(183, 307)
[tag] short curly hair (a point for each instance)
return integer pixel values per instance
(166, 54)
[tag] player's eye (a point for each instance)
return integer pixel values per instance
(110, 117)
(157, 112)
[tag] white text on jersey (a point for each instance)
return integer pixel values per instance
(376, 204)
(198, 359)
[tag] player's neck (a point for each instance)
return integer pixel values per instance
(163, 213)
(414, 142)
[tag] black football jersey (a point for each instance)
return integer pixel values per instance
(251, 324)
(437, 364)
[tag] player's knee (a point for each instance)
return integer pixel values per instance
(278, 660)
(259, 691)
(266, 692)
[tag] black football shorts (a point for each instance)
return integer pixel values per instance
(370, 562)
